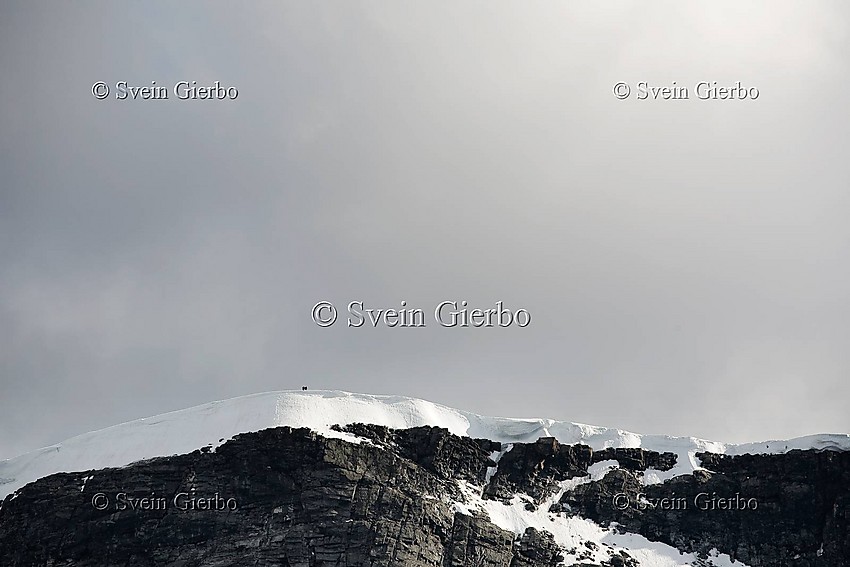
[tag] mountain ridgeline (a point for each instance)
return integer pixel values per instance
(375, 496)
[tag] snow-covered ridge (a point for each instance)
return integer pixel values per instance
(189, 429)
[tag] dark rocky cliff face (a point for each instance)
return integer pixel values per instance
(289, 497)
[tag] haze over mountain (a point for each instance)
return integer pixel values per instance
(686, 262)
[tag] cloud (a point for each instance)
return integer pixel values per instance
(685, 262)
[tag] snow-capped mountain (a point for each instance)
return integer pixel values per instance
(210, 424)
(546, 493)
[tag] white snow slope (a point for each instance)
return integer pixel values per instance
(210, 424)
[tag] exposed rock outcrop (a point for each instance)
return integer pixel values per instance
(290, 497)
(764, 510)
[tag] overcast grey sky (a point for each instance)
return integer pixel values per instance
(686, 262)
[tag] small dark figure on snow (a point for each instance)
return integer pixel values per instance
(304, 388)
